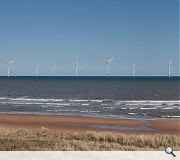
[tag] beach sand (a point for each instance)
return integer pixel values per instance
(83, 124)
(78, 133)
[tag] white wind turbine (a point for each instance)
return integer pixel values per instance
(133, 69)
(107, 69)
(8, 67)
(53, 69)
(169, 68)
(36, 72)
(76, 68)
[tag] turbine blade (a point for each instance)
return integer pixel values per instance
(110, 59)
(10, 62)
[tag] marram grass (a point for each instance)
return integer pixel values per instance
(47, 140)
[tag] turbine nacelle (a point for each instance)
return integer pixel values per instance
(108, 61)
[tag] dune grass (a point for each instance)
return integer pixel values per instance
(47, 140)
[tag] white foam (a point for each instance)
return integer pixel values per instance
(147, 102)
(63, 104)
(132, 113)
(167, 108)
(59, 110)
(84, 111)
(85, 104)
(78, 100)
(99, 101)
(89, 111)
(166, 116)
(36, 99)
(45, 106)
(143, 108)
(3, 98)
(108, 107)
(22, 103)
(132, 108)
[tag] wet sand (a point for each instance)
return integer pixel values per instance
(83, 124)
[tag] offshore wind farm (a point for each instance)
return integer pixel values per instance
(54, 68)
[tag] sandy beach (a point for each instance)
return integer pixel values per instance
(84, 124)
(78, 133)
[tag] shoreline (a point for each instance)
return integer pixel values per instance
(84, 124)
(90, 116)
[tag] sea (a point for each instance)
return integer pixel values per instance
(92, 96)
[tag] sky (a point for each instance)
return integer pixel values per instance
(62, 32)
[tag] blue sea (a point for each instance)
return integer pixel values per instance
(94, 96)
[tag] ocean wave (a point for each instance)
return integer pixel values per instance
(132, 113)
(99, 101)
(3, 98)
(167, 108)
(36, 99)
(142, 108)
(22, 103)
(123, 108)
(85, 104)
(147, 102)
(59, 110)
(78, 100)
(89, 111)
(105, 101)
(167, 116)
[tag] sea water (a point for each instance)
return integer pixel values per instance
(115, 97)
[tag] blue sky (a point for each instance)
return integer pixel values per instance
(61, 32)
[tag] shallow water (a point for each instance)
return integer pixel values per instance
(123, 128)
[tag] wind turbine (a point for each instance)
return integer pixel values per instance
(76, 68)
(53, 69)
(169, 68)
(8, 67)
(107, 69)
(36, 70)
(133, 69)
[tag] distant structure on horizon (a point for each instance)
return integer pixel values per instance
(53, 69)
(169, 68)
(8, 67)
(36, 72)
(76, 68)
(107, 68)
(133, 69)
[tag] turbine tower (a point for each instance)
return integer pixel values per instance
(169, 68)
(76, 68)
(133, 69)
(53, 69)
(36, 70)
(8, 67)
(107, 69)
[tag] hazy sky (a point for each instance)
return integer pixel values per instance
(61, 32)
